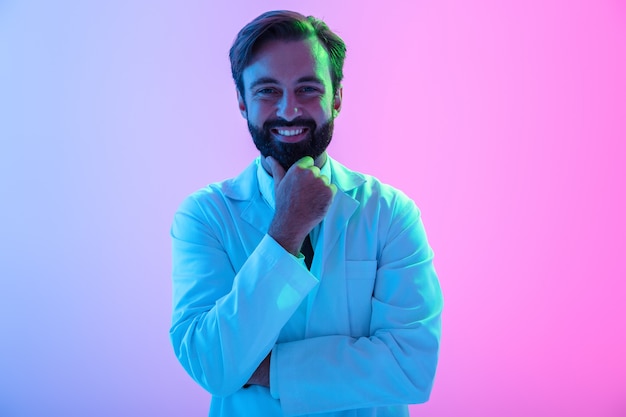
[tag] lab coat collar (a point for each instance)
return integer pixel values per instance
(246, 185)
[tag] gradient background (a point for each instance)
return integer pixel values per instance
(505, 121)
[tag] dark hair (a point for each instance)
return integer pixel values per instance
(289, 26)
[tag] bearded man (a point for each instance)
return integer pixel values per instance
(302, 287)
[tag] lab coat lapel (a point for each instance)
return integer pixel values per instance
(330, 294)
(342, 208)
(258, 214)
(334, 225)
(245, 188)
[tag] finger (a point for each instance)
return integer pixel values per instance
(316, 171)
(305, 162)
(326, 181)
(276, 170)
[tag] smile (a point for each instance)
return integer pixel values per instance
(289, 131)
(290, 134)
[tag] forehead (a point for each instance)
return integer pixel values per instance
(288, 61)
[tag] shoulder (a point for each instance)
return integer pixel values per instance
(369, 190)
(223, 193)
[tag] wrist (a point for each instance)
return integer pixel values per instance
(289, 241)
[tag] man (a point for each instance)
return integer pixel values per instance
(301, 287)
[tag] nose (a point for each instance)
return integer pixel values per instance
(287, 107)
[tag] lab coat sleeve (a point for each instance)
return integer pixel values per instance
(396, 364)
(224, 321)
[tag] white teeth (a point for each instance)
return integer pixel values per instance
(285, 132)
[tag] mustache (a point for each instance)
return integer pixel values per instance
(271, 124)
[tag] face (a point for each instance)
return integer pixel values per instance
(288, 100)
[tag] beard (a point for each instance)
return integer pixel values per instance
(313, 145)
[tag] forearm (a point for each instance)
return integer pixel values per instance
(221, 342)
(333, 373)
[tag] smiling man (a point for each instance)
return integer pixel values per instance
(302, 287)
(289, 100)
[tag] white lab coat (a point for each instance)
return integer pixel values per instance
(373, 302)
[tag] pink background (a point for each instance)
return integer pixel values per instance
(505, 121)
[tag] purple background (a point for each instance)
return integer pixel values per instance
(505, 121)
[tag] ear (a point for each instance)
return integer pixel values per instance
(242, 105)
(337, 101)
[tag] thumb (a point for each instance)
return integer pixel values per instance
(276, 170)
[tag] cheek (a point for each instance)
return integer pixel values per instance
(255, 114)
(262, 108)
(327, 110)
(320, 107)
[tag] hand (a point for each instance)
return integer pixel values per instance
(261, 375)
(303, 197)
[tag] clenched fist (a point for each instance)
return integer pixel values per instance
(303, 197)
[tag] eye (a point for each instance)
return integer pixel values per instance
(309, 89)
(266, 91)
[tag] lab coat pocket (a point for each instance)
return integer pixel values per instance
(360, 277)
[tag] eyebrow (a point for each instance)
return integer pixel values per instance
(263, 80)
(270, 80)
(310, 79)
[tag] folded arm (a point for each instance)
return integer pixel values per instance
(396, 364)
(225, 323)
